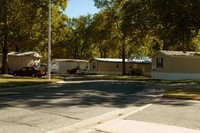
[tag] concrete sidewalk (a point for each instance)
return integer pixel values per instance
(116, 122)
(130, 126)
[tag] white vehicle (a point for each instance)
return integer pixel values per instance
(82, 71)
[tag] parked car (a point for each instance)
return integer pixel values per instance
(136, 72)
(72, 71)
(29, 71)
(82, 71)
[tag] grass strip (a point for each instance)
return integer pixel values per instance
(7, 81)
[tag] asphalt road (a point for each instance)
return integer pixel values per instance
(173, 112)
(47, 107)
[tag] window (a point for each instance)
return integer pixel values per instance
(24, 69)
(117, 65)
(159, 62)
(94, 66)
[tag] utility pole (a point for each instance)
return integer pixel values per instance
(49, 42)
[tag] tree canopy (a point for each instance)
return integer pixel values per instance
(121, 29)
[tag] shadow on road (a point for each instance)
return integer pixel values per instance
(85, 92)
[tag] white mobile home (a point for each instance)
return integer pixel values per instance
(62, 65)
(17, 60)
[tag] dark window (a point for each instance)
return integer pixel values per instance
(24, 69)
(159, 62)
(94, 66)
(117, 65)
(30, 69)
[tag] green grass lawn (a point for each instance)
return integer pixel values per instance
(7, 81)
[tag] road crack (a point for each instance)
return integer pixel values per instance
(20, 123)
(65, 116)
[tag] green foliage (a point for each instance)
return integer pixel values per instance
(101, 35)
(174, 22)
(23, 25)
(178, 22)
(78, 45)
(122, 28)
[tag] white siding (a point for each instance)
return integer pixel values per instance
(175, 76)
(66, 64)
(106, 72)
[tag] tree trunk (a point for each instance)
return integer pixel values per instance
(5, 59)
(5, 46)
(165, 46)
(4, 69)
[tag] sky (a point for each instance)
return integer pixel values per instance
(75, 8)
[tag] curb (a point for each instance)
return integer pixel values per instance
(99, 120)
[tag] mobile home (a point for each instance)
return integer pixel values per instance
(17, 60)
(114, 66)
(61, 66)
(176, 65)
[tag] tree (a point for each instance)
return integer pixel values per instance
(173, 22)
(100, 32)
(9, 20)
(115, 12)
(22, 25)
(78, 46)
(179, 22)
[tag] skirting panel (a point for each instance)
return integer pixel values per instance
(175, 76)
(106, 72)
